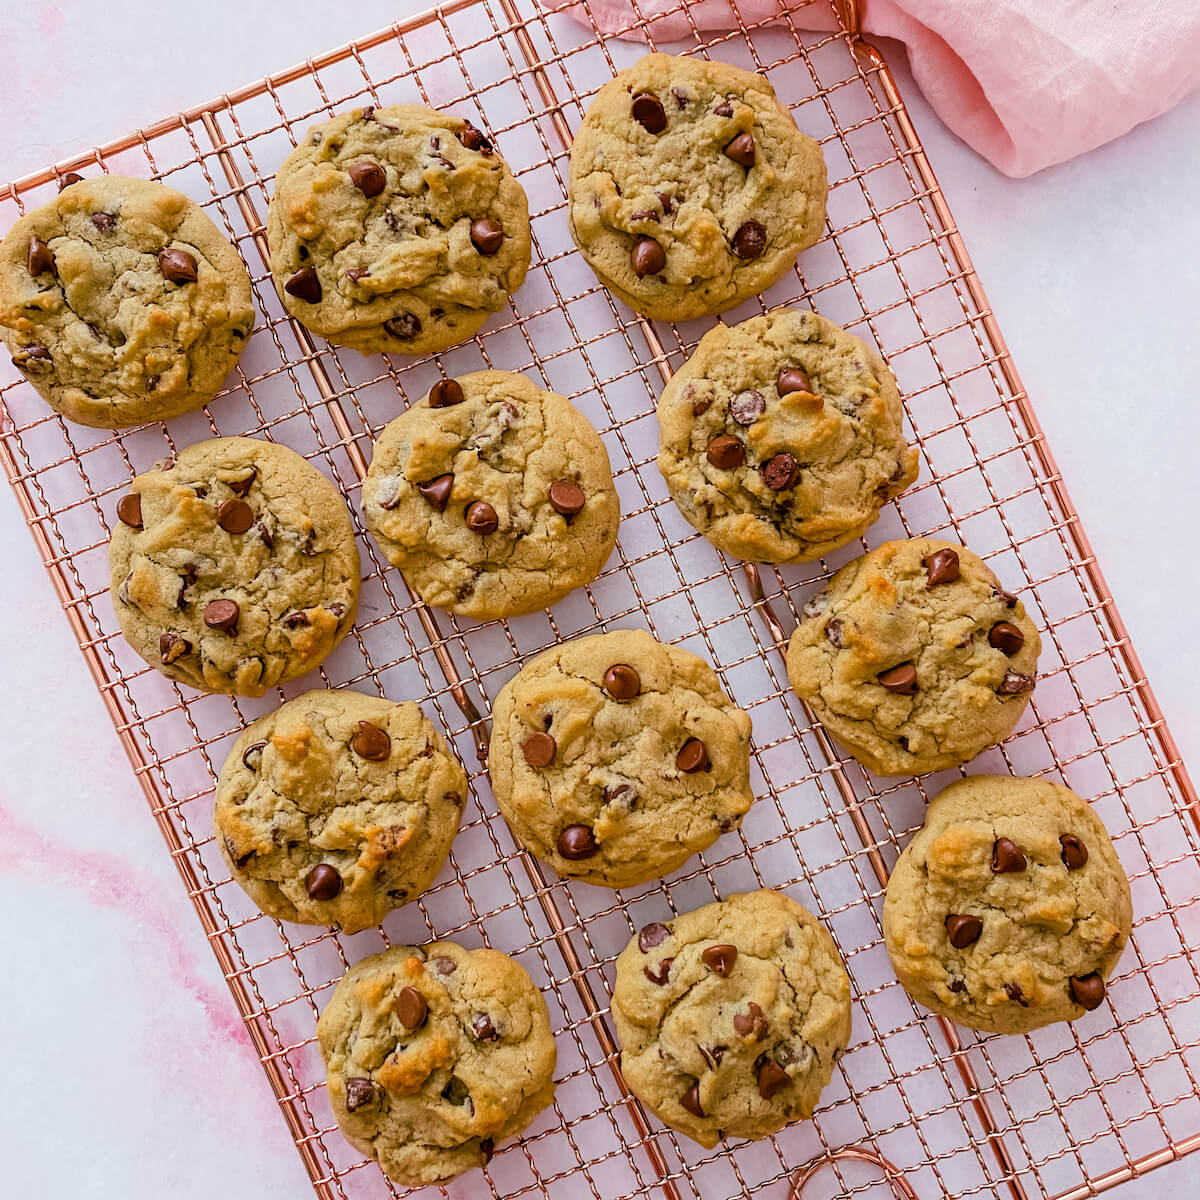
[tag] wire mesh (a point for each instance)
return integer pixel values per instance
(917, 1107)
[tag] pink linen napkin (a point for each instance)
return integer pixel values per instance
(1026, 83)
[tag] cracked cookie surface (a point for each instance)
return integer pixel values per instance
(731, 1017)
(337, 808)
(493, 497)
(781, 437)
(233, 567)
(1009, 908)
(433, 1054)
(691, 188)
(396, 230)
(121, 302)
(914, 657)
(615, 758)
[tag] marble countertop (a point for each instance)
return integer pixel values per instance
(120, 1025)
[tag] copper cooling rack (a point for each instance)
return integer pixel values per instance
(917, 1107)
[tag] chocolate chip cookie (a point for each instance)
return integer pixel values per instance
(691, 188)
(731, 1017)
(914, 657)
(121, 302)
(396, 230)
(1009, 909)
(493, 497)
(781, 438)
(615, 758)
(434, 1054)
(233, 566)
(337, 808)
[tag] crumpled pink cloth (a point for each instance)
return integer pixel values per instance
(1026, 83)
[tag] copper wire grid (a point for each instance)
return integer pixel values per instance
(917, 1107)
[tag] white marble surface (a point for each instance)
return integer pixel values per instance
(126, 1061)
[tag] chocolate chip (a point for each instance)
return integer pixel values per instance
(263, 532)
(436, 491)
(751, 1023)
(235, 516)
(1014, 684)
(720, 958)
(1006, 857)
(222, 615)
(691, 1100)
(902, 679)
(483, 1029)
(69, 178)
(473, 138)
(644, 214)
(487, 1147)
(792, 379)
(240, 487)
(106, 223)
(567, 498)
(40, 257)
(700, 405)
(359, 1093)
(647, 111)
(741, 150)
(371, 742)
(177, 266)
(659, 974)
(750, 240)
(252, 756)
(370, 178)
(957, 985)
(304, 285)
(1007, 637)
(405, 326)
(323, 882)
(652, 935)
(693, 757)
(648, 257)
(1074, 852)
(724, 109)
(941, 567)
(963, 931)
(1010, 600)
(833, 632)
(666, 202)
(624, 795)
(32, 358)
(1088, 990)
(357, 273)
(455, 1091)
(576, 842)
(771, 1078)
(171, 646)
(712, 1054)
(444, 965)
(1014, 993)
(411, 1008)
(446, 392)
(746, 407)
(295, 620)
(481, 518)
(239, 860)
(781, 472)
(622, 682)
(681, 97)
(129, 510)
(539, 750)
(725, 452)
(486, 235)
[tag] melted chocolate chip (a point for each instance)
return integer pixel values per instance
(304, 285)
(40, 257)
(652, 935)
(456, 1092)
(751, 1024)
(444, 965)
(647, 110)
(712, 1054)
(252, 756)
(105, 222)
(171, 646)
(941, 567)
(129, 510)
(772, 1078)
(370, 178)
(750, 240)
(1006, 857)
(177, 266)
(781, 472)
(404, 327)
(1014, 993)
(241, 487)
(1015, 684)
(833, 632)
(483, 1029)
(577, 842)
(720, 958)
(69, 178)
(371, 742)
(660, 973)
(725, 453)
(473, 139)
(359, 1093)
(539, 749)
(693, 757)
(746, 407)
(691, 1100)
(323, 882)
(622, 682)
